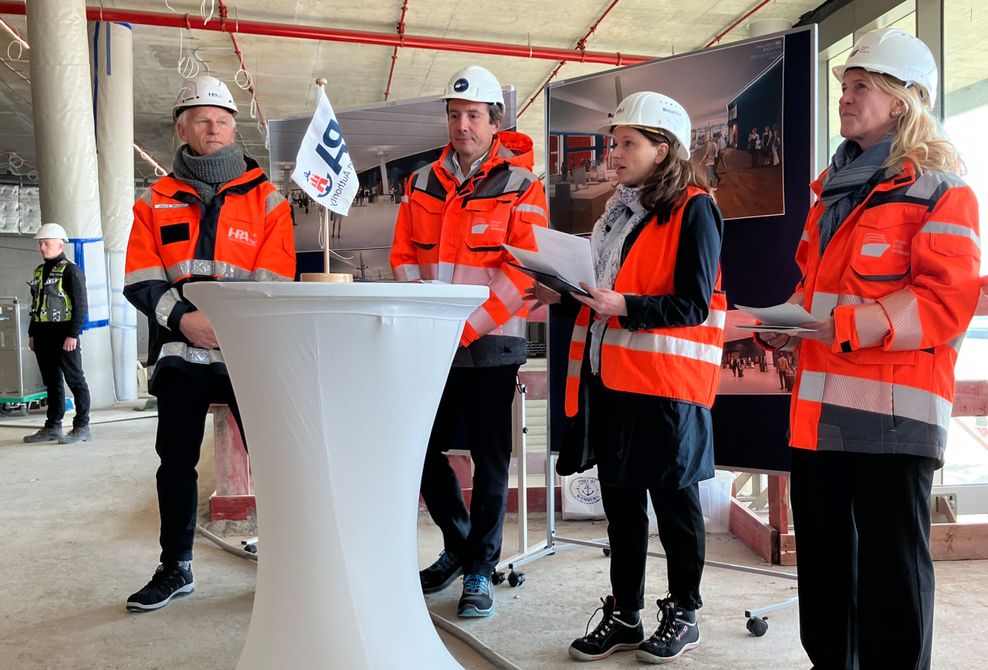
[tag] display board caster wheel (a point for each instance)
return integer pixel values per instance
(607, 551)
(515, 578)
(497, 577)
(756, 626)
(250, 548)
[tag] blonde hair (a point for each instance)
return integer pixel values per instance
(918, 136)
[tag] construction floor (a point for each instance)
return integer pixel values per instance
(80, 534)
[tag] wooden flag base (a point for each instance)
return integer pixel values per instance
(335, 277)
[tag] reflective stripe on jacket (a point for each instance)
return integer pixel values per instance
(900, 278)
(244, 233)
(680, 363)
(50, 303)
(452, 232)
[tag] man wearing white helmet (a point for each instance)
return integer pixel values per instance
(454, 217)
(215, 217)
(58, 312)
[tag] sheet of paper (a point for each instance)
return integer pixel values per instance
(762, 328)
(786, 314)
(560, 254)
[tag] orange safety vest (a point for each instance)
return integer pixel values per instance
(245, 233)
(681, 363)
(453, 232)
(900, 278)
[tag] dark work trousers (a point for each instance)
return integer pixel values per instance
(680, 521)
(55, 363)
(183, 402)
(866, 582)
(474, 413)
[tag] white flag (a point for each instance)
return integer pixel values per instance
(323, 167)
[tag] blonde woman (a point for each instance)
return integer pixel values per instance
(889, 257)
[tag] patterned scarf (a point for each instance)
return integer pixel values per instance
(852, 176)
(207, 174)
(622, 215)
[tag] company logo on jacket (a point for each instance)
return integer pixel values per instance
(242, 236)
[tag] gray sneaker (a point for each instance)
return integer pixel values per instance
(79, 434)
(46, 434)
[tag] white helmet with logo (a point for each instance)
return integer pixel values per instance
(51, 231)
(202, 91)
(475, 84)
(896, 53)
(653, 111)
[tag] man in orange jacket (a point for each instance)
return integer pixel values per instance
(455, 215)
(215, 217)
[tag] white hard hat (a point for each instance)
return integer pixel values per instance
(897, 53)
(202, 91)
(653, 111)
(51, 231)
(475, 84)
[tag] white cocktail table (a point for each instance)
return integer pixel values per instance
(338, 385)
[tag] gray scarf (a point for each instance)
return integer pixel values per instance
(622, 215)
(852, 176)
(207, 174)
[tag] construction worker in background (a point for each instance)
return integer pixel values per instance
(455, 215)
(889, 260)
(215, 217)
(58, 312)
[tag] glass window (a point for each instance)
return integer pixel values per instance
(965, 82)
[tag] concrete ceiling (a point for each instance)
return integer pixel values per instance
(284, 69)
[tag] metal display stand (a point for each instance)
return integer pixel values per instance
(755, 619)
(20, 378)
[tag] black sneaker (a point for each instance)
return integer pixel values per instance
(677, 634)
(478, 597)
(171, 581)
(79, 434)
(440, 574)
(614, 633)
(46, 434)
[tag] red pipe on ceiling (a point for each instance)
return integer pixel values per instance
(342, 35)
(580, 44)
(400, 29)
(734, 25)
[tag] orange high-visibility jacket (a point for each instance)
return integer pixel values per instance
(453, 232)
(244, 234)
(680, 363)
(900, 278)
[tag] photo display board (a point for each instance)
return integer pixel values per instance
(752, 107)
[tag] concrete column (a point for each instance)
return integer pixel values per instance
(113, 90)
(64, 135)
(385, 185)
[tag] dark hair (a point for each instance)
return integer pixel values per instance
(665, 189)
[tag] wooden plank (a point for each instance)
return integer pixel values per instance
(761, 539)
(778, 508)
(959, 541)
(787, 549)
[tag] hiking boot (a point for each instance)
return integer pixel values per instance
(677, 633)
(77, 434)
(440, 574)
(171, 580)
(46, 434)
(478, 597)
(617, 631)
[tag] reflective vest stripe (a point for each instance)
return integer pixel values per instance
(664, 344)
(166, 303)
(190, 354)
(409, 272)
(868, 395)
(941, 228)
(155, 273)
(902, 311)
